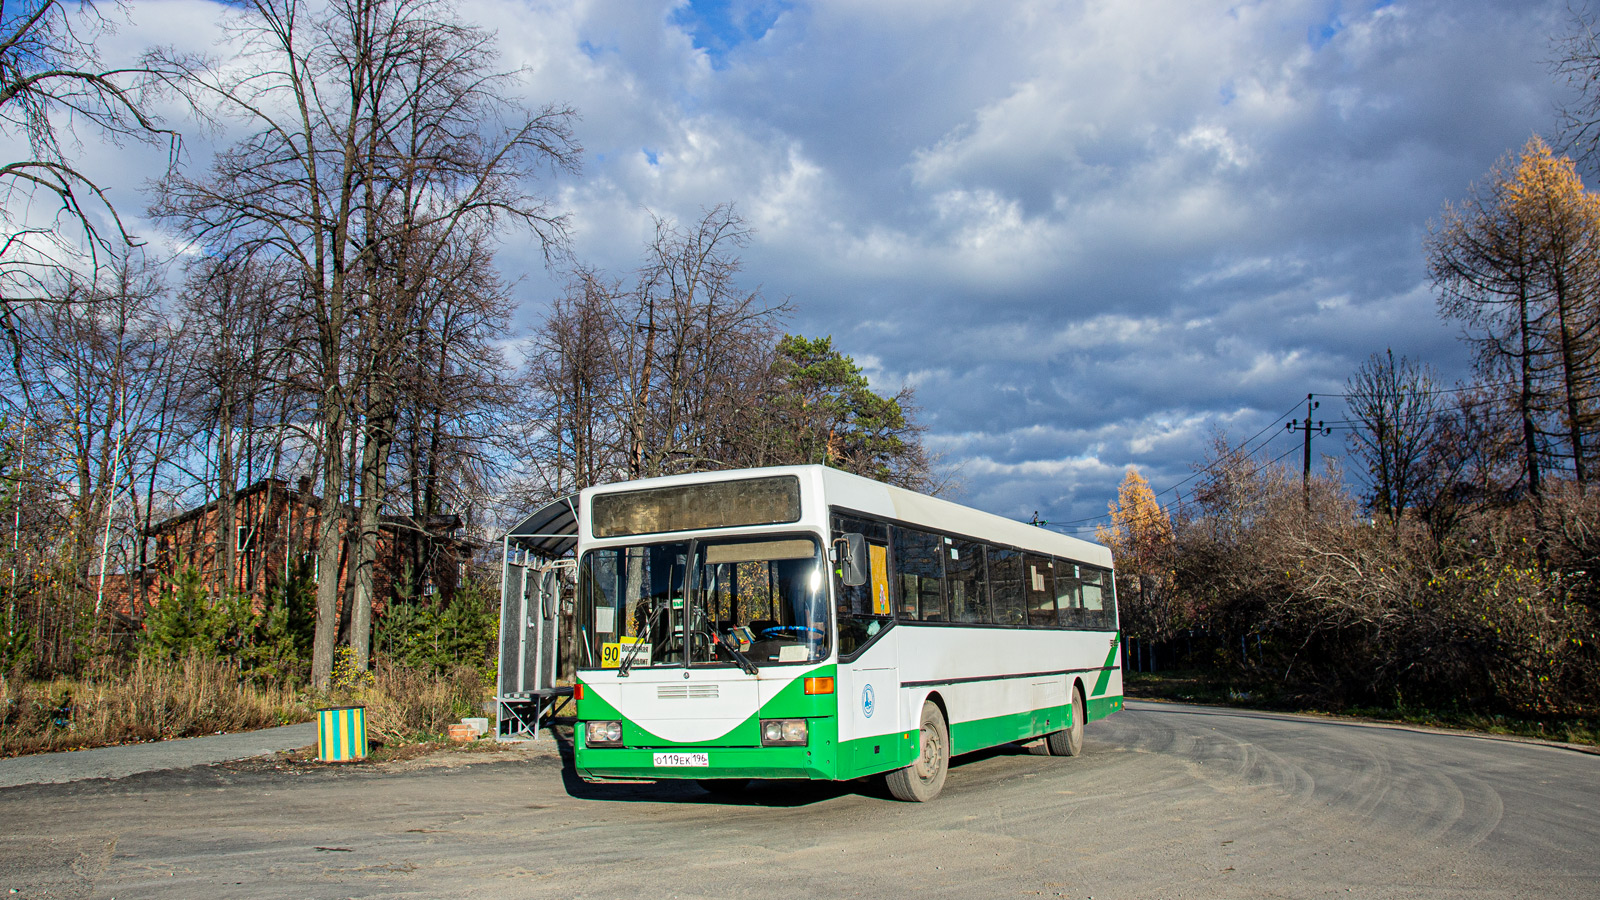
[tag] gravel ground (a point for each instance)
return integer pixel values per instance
(1168, 801)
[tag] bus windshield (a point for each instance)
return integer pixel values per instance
(723, 602)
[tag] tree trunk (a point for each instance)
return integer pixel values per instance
(374, 460)
(330, 535)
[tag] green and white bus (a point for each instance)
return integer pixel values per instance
(801, 622)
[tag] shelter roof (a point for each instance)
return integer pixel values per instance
(552, 531)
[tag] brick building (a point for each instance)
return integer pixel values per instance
(276, 530)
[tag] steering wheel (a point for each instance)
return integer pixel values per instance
(782, 629)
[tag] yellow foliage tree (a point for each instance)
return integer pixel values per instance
(1140, 529)
(1563, 220)
(1140, 537)
(1519, 263)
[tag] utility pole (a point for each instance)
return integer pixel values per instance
(1309, 428)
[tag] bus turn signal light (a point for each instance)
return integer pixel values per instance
(823, 685)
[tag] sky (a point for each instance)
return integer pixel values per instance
(1092, 235)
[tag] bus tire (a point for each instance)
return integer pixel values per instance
(1069, 741)
(723, 787)
(924, 778)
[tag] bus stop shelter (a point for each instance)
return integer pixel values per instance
(538, 565)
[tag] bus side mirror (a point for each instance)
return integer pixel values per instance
(853, 567)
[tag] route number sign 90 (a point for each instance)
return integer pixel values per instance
(613, 653)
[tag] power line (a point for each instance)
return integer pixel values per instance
(1243, 449)
(1327, 427)
(1265, 465)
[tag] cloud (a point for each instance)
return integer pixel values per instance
(1087, 232)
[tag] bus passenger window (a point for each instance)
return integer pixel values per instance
(917, 559)
(1095, 586)
(1005, 580)
(966, 582)
(1069, 599)
(1039, 584)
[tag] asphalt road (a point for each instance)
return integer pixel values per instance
(1167, 802)
(133, 759)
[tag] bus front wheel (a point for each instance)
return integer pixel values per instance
(924, 778)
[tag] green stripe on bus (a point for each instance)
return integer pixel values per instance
(1100, 707)
(966, 737)
(878, 753)
(1104, 681)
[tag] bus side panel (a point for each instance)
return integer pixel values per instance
(1004, 685)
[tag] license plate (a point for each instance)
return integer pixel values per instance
(683, 759)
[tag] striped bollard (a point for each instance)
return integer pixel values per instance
(342, 734)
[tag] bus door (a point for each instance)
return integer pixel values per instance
(869, 717)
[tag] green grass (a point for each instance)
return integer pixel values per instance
(1233, 689)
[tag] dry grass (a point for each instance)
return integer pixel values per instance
(139, 700)
(146, 700)
(405, 704)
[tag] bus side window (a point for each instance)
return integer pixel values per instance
(1069, 595)
(1005, 581)
(1094, 596)
(966, 582)
(861, 617)
(917, 560)
(1039, 584)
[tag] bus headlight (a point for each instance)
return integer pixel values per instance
(602, 734)
(783, 732)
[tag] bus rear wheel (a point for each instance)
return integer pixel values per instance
(924, 778)
(1069, 741)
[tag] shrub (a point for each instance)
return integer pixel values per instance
(423, 633)
(188, 620)
(409, 703)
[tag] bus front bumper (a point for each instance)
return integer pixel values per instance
(632, 764)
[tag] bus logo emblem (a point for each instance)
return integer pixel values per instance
(868, 701)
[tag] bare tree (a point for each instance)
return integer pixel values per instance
(377, 141)
(1577, 61)
(685, 343)
(235, 381)
(685, 371)
(573, 373)
(99, 362)
(53, 92)
(1394, 405)
(52, 85)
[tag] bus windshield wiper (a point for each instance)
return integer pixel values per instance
(633, 649)
(738, 657)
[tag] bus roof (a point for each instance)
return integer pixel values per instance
(864, 495)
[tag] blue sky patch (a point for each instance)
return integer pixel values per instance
(1318, 36)
(719, 26)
